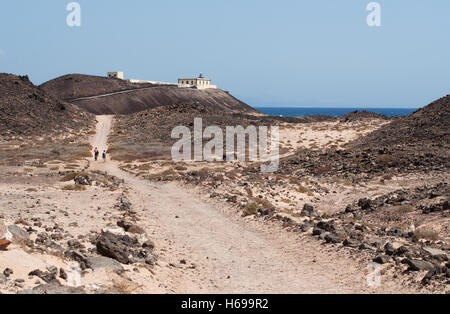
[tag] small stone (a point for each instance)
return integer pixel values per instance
(332, 238)
(8, 272)
(382, 259)
(62, 274)
(389, 249)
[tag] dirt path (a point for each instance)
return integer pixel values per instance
(110, 94)
(223, 252)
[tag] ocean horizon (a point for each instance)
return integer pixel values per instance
(335, 112)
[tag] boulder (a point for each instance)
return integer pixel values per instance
(18, 233)
(351, 243)
(45, 276)
(389, 249)
(99, 262)
(125, 203)
(116, 247)
(332, 238)
(309, 211)
(364, 203)
(83, 180)
(436, 253)
(326, 225)
(381, 259)
(419, 265)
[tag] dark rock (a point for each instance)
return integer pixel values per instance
(419, 265)
(351, 243)
(364, 203)
(332, 238)
(62, 274)
(317, 231)
(149, 244)
(307, 225)
(45, 276)
(116, 247)
(8, 272)
(349, 209)
(389, 249)
(83, 180)
(382, 259)
(309, 211)
(326, 225)
(125, 203)
(429, 276)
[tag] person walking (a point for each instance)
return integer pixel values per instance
(96, 153)
(104, 156)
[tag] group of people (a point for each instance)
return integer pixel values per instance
(97, 153)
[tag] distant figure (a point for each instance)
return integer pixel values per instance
(104, 156)
(96, 153)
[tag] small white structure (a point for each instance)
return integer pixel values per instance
(200, 83)
(151, 82)
(116, 75)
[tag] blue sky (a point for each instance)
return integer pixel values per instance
(268, 53)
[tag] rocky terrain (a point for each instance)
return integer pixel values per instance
(101, 95)
(354, 196)
(26, 110)
(383, 195)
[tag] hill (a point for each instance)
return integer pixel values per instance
(26, 110)
(101, 95)
(426, 127)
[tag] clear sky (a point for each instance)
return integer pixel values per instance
(268, 53)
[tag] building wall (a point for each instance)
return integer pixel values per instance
(199, 83)
(117, 75)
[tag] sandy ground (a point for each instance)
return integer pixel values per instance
(222, 253)
(203, 246)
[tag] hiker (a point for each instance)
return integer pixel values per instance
(104, 156)
(96, 153)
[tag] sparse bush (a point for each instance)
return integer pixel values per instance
(250, 209)
(74, 187)
(427, 234)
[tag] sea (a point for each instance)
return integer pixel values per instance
(335, 112)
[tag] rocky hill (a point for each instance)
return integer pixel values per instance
(28, 110)
(419, 142)
(427, 126)
(101, 95)
(361, 115)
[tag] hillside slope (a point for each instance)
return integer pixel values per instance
(426, 127)
(27, 110)
(139, 96)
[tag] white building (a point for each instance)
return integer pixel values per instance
(116, 75)
(199, 83)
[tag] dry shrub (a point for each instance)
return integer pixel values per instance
(427, 234)
(250, 209)
(74, 187)
(181, 168)
(164, 175)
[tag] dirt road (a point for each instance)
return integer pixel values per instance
(220, 252)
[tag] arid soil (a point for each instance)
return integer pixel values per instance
(175, 239)
(356, 184)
